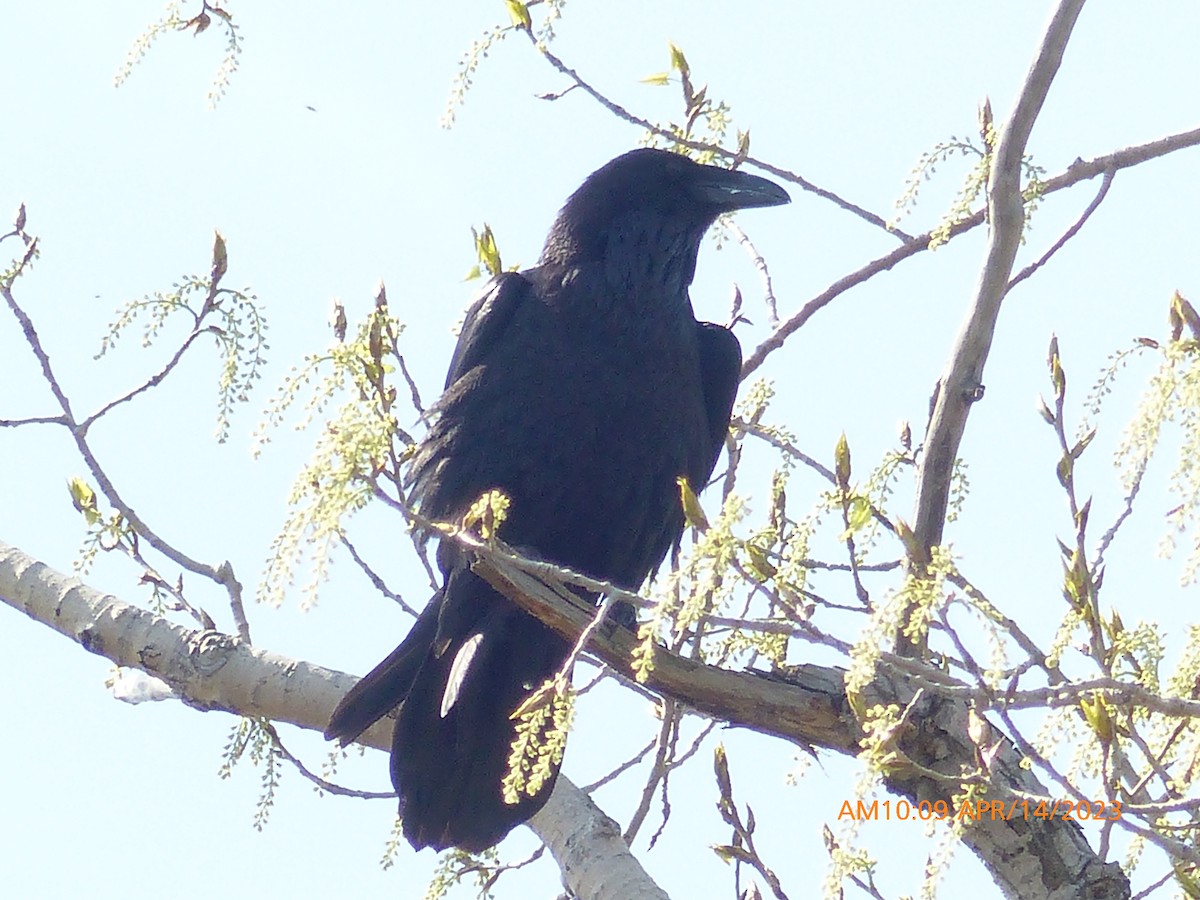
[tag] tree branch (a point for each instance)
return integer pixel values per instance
(1069, 233)
(1077, 172)
(808, 705)
(783, 174)
(962, 381)
(213, 671)
(222, 574)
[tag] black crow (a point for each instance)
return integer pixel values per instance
(582, 388)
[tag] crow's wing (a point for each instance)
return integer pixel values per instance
(486, 321)
(720, 370)
(389, 682)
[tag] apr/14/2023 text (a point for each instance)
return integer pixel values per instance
(976, 810)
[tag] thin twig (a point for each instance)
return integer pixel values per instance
(1141, 895)
(670, 721)
(1175, 848)
(1075, 173)
(222, 575)
(1069, 233)
(376, 580)
(760, 263)
(1111, 533)
(717, 150)
(753, 428)
(621, 769)
(328, 786)
(152, 382)
(414, 394)
(34, 420)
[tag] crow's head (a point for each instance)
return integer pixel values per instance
(651, 203)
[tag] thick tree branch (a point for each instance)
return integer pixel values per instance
(213, 671)
(808, 705)
(963, 377)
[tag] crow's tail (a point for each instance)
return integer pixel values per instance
(470, 660)
(384, 688)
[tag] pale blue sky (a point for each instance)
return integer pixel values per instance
(124, 188)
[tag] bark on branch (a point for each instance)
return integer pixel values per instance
(807, 705)
(209, 670)
(962, 381)
(1048, 859)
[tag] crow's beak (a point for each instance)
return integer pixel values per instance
(728, 190)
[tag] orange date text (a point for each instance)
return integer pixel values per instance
(980, 810)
